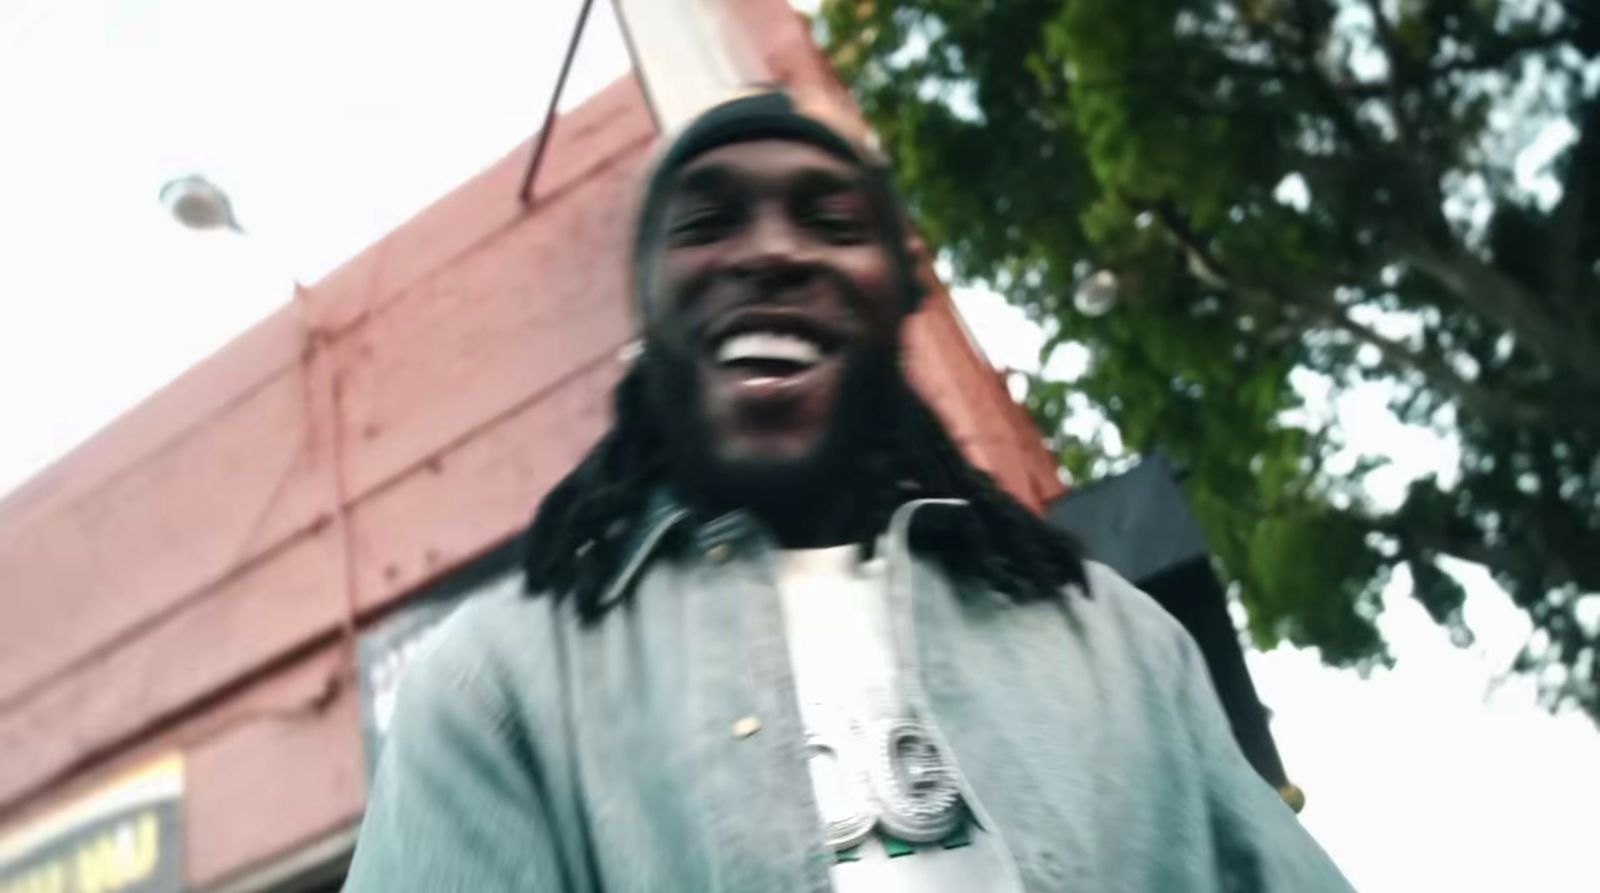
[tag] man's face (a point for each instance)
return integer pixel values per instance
(771, 289)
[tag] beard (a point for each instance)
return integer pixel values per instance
(763, 485)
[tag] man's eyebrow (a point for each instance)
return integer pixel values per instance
(705, 178)
(827, 181)
(715, 177)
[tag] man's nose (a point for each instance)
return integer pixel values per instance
(771, 247)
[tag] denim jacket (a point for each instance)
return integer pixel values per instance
(661, 748)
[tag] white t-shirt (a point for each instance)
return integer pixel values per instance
(841, 647)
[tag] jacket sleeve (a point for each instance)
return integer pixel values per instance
(1261, 845)
(457, 804)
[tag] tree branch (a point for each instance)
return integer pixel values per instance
(1202, 262)
(1383, 31)
(1317, 303)
(1505, 50)
(1499, 299)
(1505, 408)
(1502, 53)
(1433, 247)
(1299, 48)
(1550, 556)
(1400, 75)
(1423, 543)
(1567, 222)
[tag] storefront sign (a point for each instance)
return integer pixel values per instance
(123, 838)
(385, 650)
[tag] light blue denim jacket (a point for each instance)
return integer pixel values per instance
(530, 752)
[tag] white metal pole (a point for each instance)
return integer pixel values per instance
(683, 55)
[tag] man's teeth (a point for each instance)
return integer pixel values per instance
(772, 346)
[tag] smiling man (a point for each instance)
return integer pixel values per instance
(779, 635)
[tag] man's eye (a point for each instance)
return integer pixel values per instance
(836, 224)
(698, 226)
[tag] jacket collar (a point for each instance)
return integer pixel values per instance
(664, 514)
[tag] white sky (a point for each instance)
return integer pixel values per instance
(330, 123)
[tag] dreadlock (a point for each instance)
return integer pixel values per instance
(585, 525)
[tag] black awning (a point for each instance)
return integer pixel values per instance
(1139, 524)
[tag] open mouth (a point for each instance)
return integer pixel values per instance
(768, 353)
(771, 356)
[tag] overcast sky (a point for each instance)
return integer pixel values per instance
(331, 122)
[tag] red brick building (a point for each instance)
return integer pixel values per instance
(190, 585)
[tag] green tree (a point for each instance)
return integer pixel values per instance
(1318, 187)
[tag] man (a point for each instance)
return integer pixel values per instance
(779, 635)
